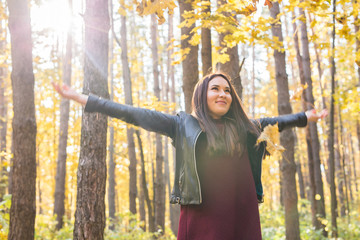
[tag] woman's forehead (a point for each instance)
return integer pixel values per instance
(220, 81)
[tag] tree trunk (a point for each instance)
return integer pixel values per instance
(288, 166)
(111, 170)
(331, 162)
(339, 177)
(311, 191)
(159, 186)
(91, 176)
(190, 63)
(232, 67)
(3, 113)
(342, 154)
(144, 185)
(358, 133)
(319, 192)
(129, 131)
(174, 209)
(300, 174)
(206, 51)
(353, 162)
(22, 212)
(59, 205)
(357, 43)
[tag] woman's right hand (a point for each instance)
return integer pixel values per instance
(67, 92)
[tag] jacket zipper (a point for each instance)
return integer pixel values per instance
(197, 175)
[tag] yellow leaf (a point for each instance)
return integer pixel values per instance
(270, 135)
(146, 7)
(317, 197)
(298, 93)
(37, 59)
(195, 40)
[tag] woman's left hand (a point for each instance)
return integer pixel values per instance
(313, 116)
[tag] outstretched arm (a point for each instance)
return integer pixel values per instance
(67, 92)
(148, 119)
(293, 120)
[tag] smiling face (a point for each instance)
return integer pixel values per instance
(218, 97)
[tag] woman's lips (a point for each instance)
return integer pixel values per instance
(221, 102)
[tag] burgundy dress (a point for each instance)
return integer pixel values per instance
(229, 210)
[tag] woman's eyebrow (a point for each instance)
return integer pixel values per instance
(215, 85)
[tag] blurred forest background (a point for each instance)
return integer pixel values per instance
(66, 174)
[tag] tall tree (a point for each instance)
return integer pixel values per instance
(357, 50)
(190, 66)
(59, 205)
(91, 175)
(22, 212)
(206, 50)
(287, 138)
(128, 101)
(3, 108)
(339, 174)
(144, 185)
(174, 209)
(159, 185)
(231, 67)
(315, 144)
(111, 166)
(357, 41)
(312, 192)
(331, 161)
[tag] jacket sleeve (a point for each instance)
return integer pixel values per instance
(148, 119)
(285, 121)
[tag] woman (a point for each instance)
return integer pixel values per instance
(218, 165)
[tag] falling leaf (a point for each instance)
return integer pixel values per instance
(270, 135)
(298, 92)
(317, 197)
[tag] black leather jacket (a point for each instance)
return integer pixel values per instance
(184, 130)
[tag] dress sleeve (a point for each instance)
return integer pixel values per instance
(285, 121)
(148, 119)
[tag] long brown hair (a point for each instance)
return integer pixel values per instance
(236, 122)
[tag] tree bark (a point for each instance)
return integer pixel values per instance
(111, 170)
(353, 162)
(159, 186)
(206, 50)
(299, 173)
(129, 131)
(3, 112)
(288, 166)
(319, 191)
(190, 64)
(357, 42)
(151, 219)
(342, 154)
(91, 176)
(22, 212)
(339, 177)
(312, 191)
(331, 132)
(174, 209)
(318, 61)
(232, 67)
(59, 205)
